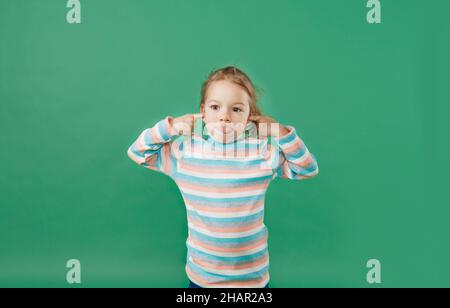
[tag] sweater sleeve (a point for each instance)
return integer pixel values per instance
(153, 148)
(291, 158)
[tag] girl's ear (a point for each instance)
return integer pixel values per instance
(202, 110)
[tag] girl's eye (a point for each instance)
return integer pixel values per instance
(236, 109)
(214, 107)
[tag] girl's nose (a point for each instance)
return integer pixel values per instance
(224, 117)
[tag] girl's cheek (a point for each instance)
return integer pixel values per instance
(241, 118)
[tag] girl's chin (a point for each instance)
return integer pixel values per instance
(226, 136)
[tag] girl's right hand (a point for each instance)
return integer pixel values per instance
(184, 125)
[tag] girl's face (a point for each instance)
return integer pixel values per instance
(226, 110)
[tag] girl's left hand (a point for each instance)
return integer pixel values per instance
(266, 128)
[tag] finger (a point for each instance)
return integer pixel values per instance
(197, 116)
(254, 118)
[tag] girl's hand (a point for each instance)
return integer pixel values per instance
(268, 126)
(184, 125)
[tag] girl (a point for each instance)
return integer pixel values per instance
(223, 172)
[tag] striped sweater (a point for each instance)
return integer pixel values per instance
(223, 186)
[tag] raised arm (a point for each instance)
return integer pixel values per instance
(286, 154)
(295, 161)
(152, 149)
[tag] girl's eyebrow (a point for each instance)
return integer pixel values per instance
(217, 101)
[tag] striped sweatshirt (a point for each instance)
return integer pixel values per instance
(223, 186)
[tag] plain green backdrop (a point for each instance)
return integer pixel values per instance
(371, 102)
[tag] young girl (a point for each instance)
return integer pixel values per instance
(223, 172)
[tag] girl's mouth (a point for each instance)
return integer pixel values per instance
(223, 129)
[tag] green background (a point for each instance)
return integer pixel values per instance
(370, 101)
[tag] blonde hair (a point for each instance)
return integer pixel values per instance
(238, 77)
